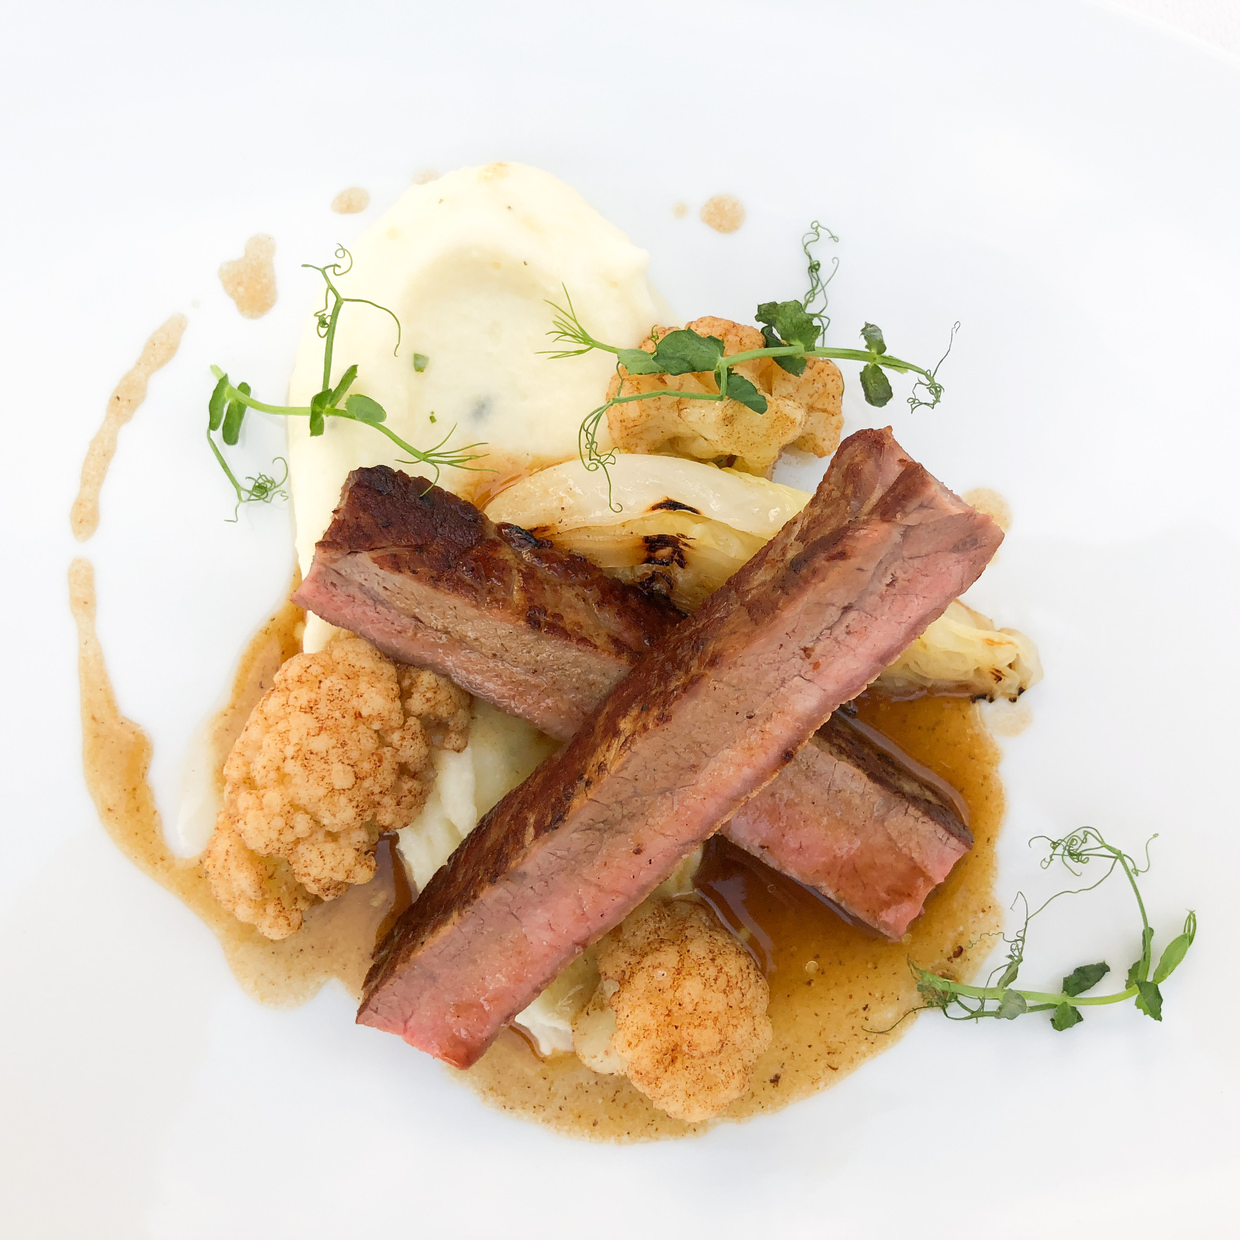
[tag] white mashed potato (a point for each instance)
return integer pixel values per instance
(468, 263)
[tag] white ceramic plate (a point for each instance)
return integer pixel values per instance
(1061, 181)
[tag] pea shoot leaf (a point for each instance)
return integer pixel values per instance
(365, 409)
(1085, 978)
(1149, 999)
(1012, 1005)
(873, 337)
(875, 384)
(1065, 1017)
(346, 382)
(791, 322)
(215, 406)
(639, 362)
(1175, 951)
(684, 352)
(319, 403)
(420, 362)
(740, 389)
(793, 365)
(1008, 976)
(234, 416)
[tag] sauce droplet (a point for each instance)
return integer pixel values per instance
(723, 213)
(992, 504)
(251, 280)
(350, 201)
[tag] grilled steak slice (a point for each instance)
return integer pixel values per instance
(707, 717)
(806, 825)
(428, 579)
(383, 571)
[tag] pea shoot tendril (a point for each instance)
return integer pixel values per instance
(1000, 998)
(230, 402)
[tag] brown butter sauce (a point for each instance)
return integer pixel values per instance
(833, 985)
(129, 393)
(338, 938)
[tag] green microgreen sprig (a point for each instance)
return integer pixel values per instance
(1000, 997)
(230, 402)
(791, 331)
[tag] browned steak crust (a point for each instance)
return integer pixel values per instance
(429, 579)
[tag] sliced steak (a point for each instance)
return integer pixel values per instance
(405, 565)
(806, 825)
(428, 579)
(707, 717)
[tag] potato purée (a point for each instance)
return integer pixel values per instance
(467, 263)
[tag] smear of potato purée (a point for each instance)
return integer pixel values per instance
(467, 263)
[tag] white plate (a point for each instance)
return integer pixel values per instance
(1061, 181)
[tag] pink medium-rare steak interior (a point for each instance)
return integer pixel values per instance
(805, 824)
(430, 580)
(708, 716)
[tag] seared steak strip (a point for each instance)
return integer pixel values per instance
(707, 717)
(858, 820)
(428, 579)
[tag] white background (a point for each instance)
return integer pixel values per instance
(1059, 177)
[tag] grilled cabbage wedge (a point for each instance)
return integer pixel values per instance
(686, 526)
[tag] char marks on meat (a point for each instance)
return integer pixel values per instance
(430, 580)
(708, 716)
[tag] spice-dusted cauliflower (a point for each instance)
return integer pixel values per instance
(680, 1010)
(337, 752)
(802, 410)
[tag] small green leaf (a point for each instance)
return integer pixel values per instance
(215, 406)
(793, 365)
(1065, 1017)
(1008, 976)
(234, 416)
(791, 321)
(873, 337)
(1012, 1005)
(420, 362)
(1085, 978)
(365, 409)
(318, 403)
(432, 417)
(346, 382)
(1149, 1000)
(639, 362)
(1141, 968)
(875, 385)
(1176, 950)
(684, 352)
(741, 390)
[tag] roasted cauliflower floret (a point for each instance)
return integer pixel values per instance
(803, 411)
(680, 1009)
(337, 752)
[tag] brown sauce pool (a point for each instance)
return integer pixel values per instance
(833, 985)
(338, 938)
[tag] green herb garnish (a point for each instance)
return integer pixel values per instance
(230, 402)
(1000, 997)
(791, 331)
